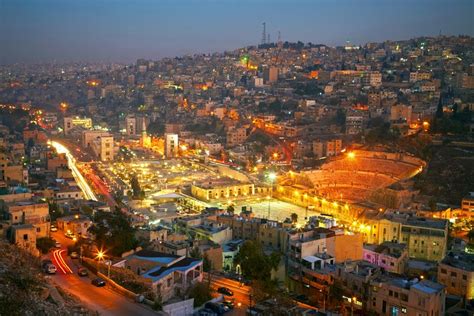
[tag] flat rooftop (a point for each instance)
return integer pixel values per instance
(460, 260)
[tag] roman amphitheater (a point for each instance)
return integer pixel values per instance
(351, 178)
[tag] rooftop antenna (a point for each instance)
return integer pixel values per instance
(268, 38)
(279, 36)
(264, 34)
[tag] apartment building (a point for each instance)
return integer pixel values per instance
(392, 296)
(456, 272)
(29, 212)
(393, 257)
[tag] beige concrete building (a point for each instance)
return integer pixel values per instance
(171, 145)
(456, 272)
(236, 136)
(402, 297)
(29, 212)
(75, 224)
(425, 238)
(223, 188)
(71, 122)
(24, 236)
(103, 147)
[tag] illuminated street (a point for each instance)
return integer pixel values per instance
(81, 182)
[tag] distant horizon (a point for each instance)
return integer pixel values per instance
(121, 31)
(220, 52)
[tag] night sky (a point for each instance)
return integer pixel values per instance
(122, 31)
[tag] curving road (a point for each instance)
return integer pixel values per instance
(101, 299)
(81, 182)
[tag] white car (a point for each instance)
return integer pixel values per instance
(57, 244)
(54, 229)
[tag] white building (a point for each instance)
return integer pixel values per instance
(131, 125)
(103, 147)
(71, 122)
(171, 145)
(89, 136)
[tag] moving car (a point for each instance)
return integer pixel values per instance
(54, 229)
(226, 291)
(98, 282)
(74, 255)
(82, 272)
(70, 235)
(57, 244)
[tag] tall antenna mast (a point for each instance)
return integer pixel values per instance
(279, 36)
(264, 34)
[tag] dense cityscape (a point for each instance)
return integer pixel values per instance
(284, 178)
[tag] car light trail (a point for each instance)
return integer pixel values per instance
(81, 182)
(66, 266)
(60, 261)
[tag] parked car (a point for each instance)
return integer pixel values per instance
(229, 303)
(226, 291)
(45, 262)
(82, 272)
(302, 298)
(74, 255)
(215, 307)
(49, 268)
(98, 282)
(206, 312)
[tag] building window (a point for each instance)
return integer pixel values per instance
(443, 271)
(464, 277)
(454, 274)
(25, 237)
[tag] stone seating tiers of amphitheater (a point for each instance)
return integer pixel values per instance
(346, 178)
(365, 172)
(382, 166)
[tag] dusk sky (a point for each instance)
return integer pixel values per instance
(122, 31)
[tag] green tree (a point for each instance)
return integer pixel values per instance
(44, 244)
(195, 253)
(136, 189)
(294, 218)
(112, 231)
(335, 292)
(201, 292)
(255, 264)
(470, 235)
(54, 211)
